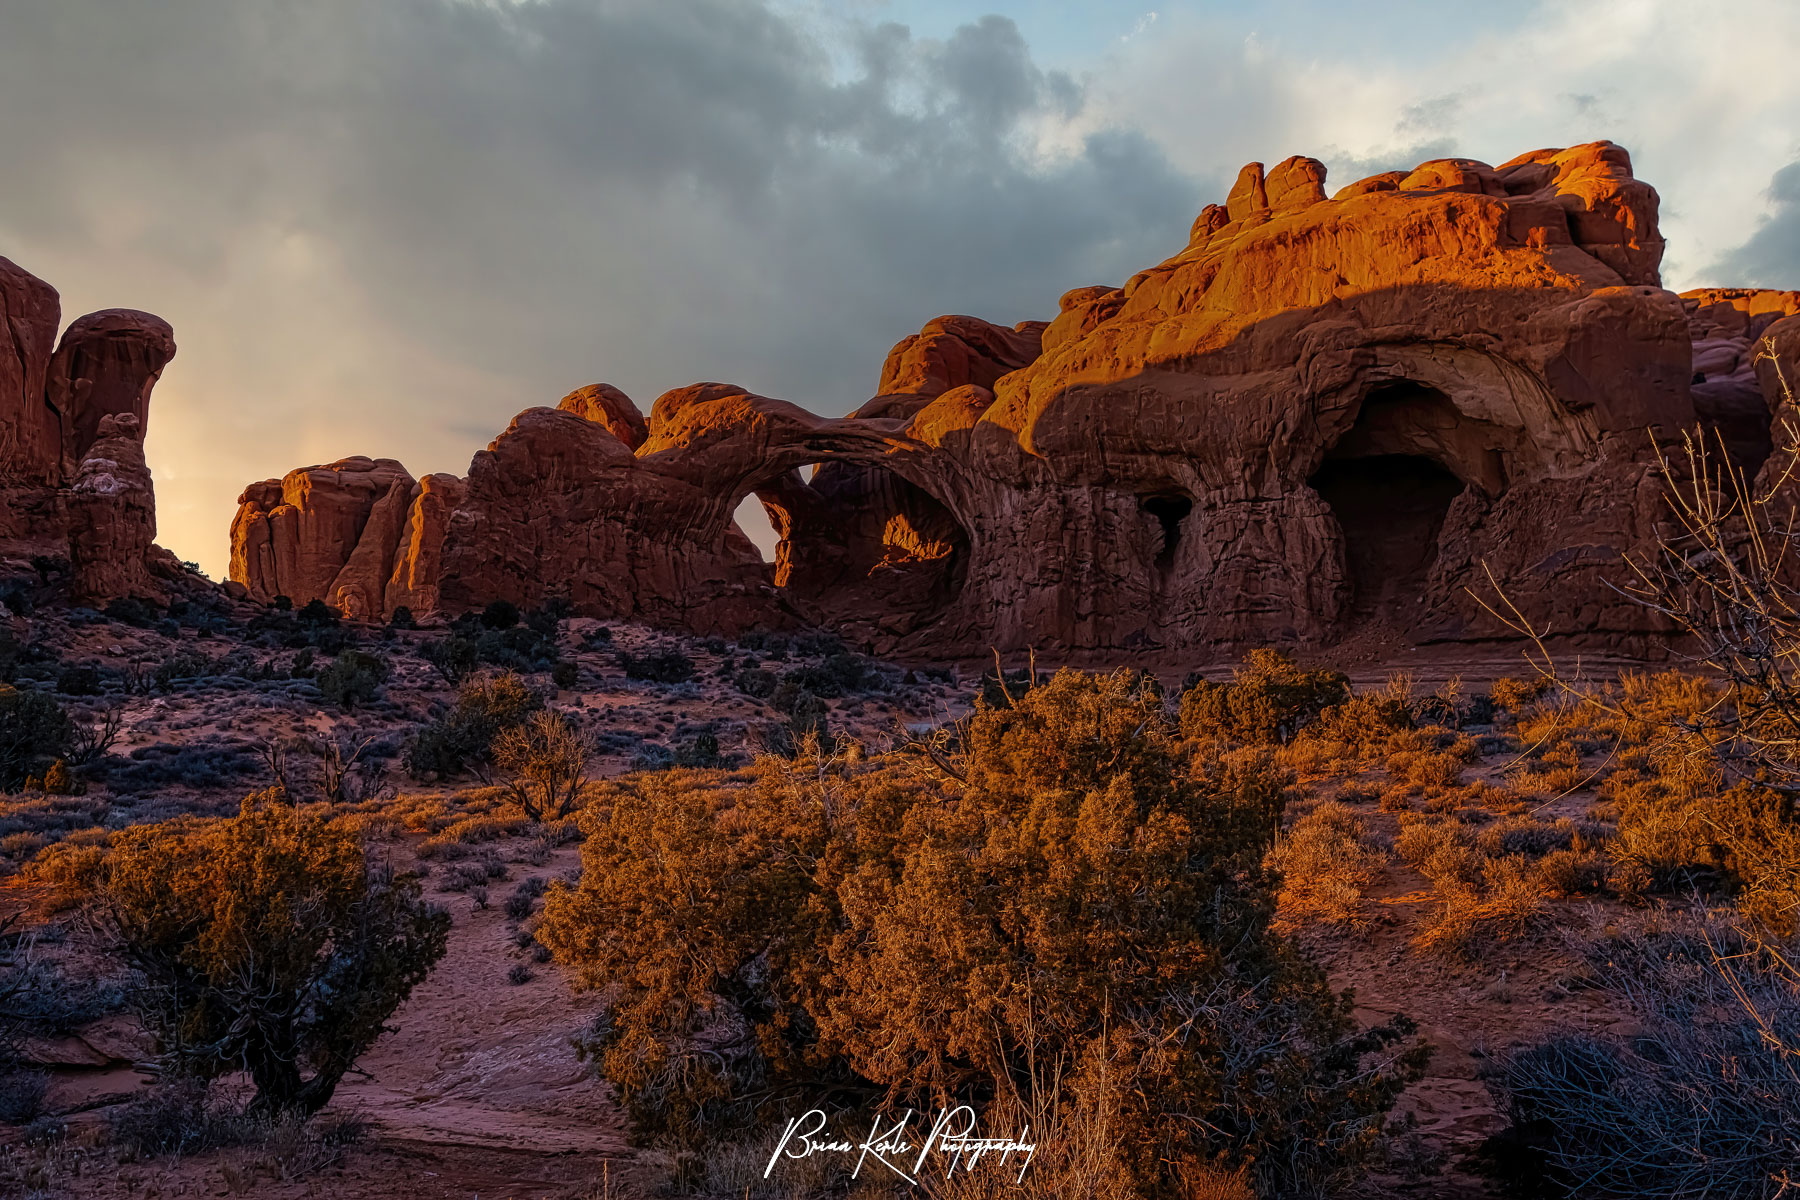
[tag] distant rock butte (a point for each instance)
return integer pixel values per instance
(75, 495)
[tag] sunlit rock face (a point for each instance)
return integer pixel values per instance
(1328, 412)
(76, 499)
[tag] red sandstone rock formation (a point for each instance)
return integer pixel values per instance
(303, 536)
(73, 484)
(1318, 415)
(1727, 326)
(604, 404)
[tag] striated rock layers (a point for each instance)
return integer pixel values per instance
(1322, 414)
(74, 490)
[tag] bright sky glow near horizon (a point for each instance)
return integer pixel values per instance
(384, 226)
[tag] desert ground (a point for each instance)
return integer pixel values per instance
(478, 1090)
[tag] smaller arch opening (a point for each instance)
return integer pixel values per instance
(1169, 510)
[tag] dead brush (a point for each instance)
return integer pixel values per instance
(1327, 866)
(1472, 918)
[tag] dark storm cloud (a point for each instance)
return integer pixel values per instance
(572, 190)
(1771, 256)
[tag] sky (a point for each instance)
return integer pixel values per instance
(383, 227)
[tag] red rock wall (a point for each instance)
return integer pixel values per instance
(1197, 459)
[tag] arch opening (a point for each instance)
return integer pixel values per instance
(860, 546)
(1391, 508)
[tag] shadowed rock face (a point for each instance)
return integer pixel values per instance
(74, 489)
(1319, 415)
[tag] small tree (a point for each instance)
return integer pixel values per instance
(268, 943)
(454, 658)
(462, 739)
(548, 756)
(353, 678)
(34, 731)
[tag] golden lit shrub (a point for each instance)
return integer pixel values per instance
(268, 943)
(1030, 922)
(1268, 700)
(1325, 867)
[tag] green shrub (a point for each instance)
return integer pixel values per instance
(317, 614)
(1080, 910)
(1268, 700)
(756, 682)
(666, 665)
(455, 658)
(34, 732)
(353, 678)
(501, 614)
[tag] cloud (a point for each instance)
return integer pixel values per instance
(384, 226)
(379, 225)
(1771, 256)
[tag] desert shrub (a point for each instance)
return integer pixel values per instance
(22, 1092)
(129, 610)
(1513, 695)
(1268, 700)
(183, 665)
(471, 831)
(34, 731)
(839, 675)
(454, 658)
(268, 942)
(501, 614)
(1430, 768)
(700, 751)
(755, 682)
(1482, 903)
(1525, 835)
(1676, 833)
(547, 755)
(998, 689)
(565, 674)
(317, 614)
(78, 681)
(1325, 867)
(173, 1117)
(666, 665)
(1036, 924)
(1702, 1100)
(402, 618)
(1573, 872)
(1364, 722)
(516, 648)
(353, 678)
(463, 738)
